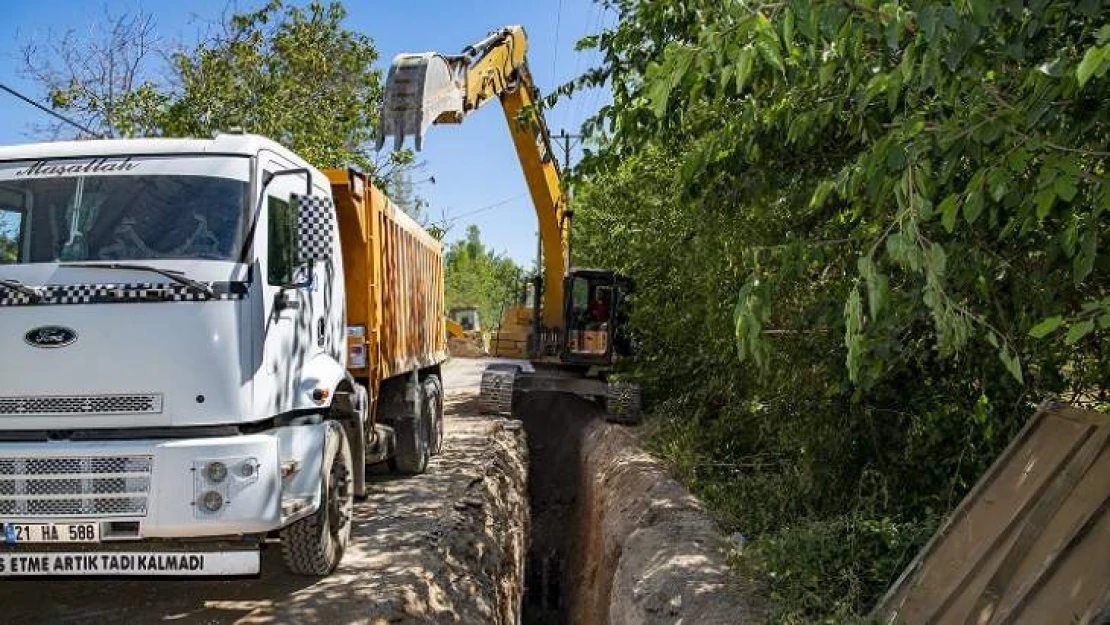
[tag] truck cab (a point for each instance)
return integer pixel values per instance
(175, 383)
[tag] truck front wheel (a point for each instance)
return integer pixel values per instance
(315, 544)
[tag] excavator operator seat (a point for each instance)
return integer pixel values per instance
(595, 317)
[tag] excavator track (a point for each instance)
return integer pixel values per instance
(496, 392)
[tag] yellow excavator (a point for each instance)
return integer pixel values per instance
(570, 323)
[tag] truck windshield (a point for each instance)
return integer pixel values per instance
(62, 218)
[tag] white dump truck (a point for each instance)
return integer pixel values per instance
(202, 345)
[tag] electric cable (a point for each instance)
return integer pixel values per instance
(50, 111)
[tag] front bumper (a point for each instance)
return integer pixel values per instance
(158, 489)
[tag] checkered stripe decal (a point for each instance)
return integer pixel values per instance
(72, 294)
(315, 223)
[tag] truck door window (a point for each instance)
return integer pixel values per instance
(11, 234)
(281, 224)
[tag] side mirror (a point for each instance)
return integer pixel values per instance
(315, 228)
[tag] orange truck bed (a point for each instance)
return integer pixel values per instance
(394, 280)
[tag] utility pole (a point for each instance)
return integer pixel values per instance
(567, 141)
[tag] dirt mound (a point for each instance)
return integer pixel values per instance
(658, 557)
(472, 346)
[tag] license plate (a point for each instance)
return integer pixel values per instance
(19, 533)
(138, 563)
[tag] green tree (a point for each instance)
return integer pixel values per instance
(866, 242)
(402, 190)
(9, 239)
(104, 76)
(477, 276)
(291, 73)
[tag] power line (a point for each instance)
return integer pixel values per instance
(599, 89)
(451, 220)
(555, 57)
(50, 111)
(576, 105)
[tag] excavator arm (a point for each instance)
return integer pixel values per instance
(431, 88)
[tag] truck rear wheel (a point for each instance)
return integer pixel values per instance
(413, 451)
(433, 398)
(315, 544)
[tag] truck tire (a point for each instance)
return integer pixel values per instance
(413, 452)
(433, 397)
(315, 544)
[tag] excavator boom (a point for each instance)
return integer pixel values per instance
(432, 88)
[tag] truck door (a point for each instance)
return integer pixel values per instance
(288, 338)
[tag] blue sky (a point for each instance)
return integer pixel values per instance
(474, 165)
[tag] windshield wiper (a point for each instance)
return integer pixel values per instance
(15, 285)
(176, 276)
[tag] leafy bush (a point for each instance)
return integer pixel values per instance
(866, 238)
(827, 569)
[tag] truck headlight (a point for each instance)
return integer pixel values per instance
(216, 472)
(212, 501)
(217, 483)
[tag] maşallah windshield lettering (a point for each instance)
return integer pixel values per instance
(104, 210)
(96, 166)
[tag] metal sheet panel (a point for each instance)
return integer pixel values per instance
(1031, 541)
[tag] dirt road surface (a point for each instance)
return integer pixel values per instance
(444, 547)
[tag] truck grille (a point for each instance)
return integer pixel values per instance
(74, 487)
(81, 404)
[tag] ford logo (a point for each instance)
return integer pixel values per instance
(50, 336)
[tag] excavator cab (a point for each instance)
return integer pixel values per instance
(595, 317)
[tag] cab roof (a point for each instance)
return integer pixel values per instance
(225, 144)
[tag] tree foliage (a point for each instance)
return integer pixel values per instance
(293, 73)
(866, 237)
(104, 77)
(476, 276)
(9, 240)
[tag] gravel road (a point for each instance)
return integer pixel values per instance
(443, 547)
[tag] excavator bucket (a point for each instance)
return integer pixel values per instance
(420, 90)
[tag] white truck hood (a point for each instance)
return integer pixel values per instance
(132, 362)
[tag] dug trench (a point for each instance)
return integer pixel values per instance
(607, 537)
(615, 539)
